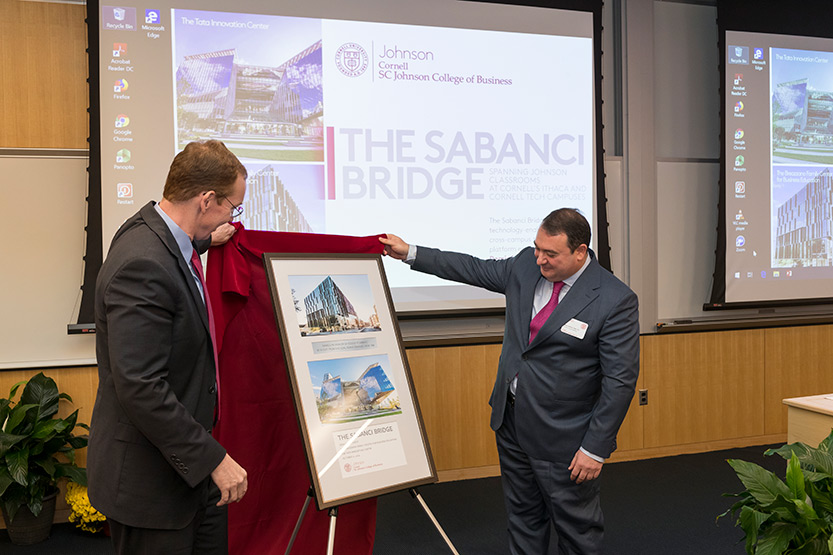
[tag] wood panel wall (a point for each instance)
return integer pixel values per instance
(43, 87)
(799, 362)
(706, 391)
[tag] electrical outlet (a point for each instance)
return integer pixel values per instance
(643, 397)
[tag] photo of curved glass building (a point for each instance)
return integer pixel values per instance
(346, 395)
(261, 107)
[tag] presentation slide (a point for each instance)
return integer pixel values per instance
(779, 157)
(450, 124)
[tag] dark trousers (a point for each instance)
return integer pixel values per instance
(206, 534)
(538, 493)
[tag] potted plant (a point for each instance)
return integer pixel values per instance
(36, 449)
(791, 516)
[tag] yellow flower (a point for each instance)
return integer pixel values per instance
(83, 514)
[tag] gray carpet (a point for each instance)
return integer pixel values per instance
(661, 506)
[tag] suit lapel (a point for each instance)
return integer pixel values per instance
(155, 222)
(583, 292)
(526, 297)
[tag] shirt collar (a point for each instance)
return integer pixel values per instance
(183, 241)
(572, 279)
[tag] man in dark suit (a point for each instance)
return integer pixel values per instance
(154, 470)
(566, 376)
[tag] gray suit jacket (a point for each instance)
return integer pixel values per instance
(571, 392)
(150, 448)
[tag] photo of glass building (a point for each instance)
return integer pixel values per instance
(269, 206)
(802, 108)
(327, 308)
(265, 112)
(370, 395)
(803, 234)
(789, 109)
(802, 115)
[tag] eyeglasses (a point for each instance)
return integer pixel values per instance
(236, 209)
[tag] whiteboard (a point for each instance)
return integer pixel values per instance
(43, 236)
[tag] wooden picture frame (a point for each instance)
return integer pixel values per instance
(354, 397)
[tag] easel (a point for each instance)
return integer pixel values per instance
(333, 512)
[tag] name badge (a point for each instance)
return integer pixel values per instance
(576, 328)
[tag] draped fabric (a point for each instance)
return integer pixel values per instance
(258, 426)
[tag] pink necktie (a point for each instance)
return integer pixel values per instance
(538, 321)
(197, 264)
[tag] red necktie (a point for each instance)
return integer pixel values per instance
(538, 321)
(197, 264)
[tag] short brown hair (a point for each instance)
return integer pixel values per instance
(571, 223)
(203, 166)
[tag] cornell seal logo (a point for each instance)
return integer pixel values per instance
(351, 59)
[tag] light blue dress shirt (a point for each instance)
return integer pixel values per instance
(186, 246)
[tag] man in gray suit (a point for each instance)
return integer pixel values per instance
(154, 469)
(566, 376)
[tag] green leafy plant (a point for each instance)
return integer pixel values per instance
(792, 516)
(36, 447)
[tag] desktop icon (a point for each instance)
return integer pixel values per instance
(758, 54)
(152, 16)
(738, 106)
(738, 54)
(119, 49)
(740, 241)
(738, 134)
(738, 78)
(123, 156)
(739, 161)
(124, 190)
(123, 121)
(120, 86)
(118, 19)
(740, 187)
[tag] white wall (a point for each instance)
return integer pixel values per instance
(687, 132)
(42, 248)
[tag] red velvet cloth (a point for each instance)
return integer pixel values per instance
(258, 427)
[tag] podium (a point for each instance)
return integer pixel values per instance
(809, 419)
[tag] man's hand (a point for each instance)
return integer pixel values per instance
(231, 480)
(222, 234)
(395, 247)
(583, 468)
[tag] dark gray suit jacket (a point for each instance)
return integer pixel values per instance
(150, 448)
(571, 392)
